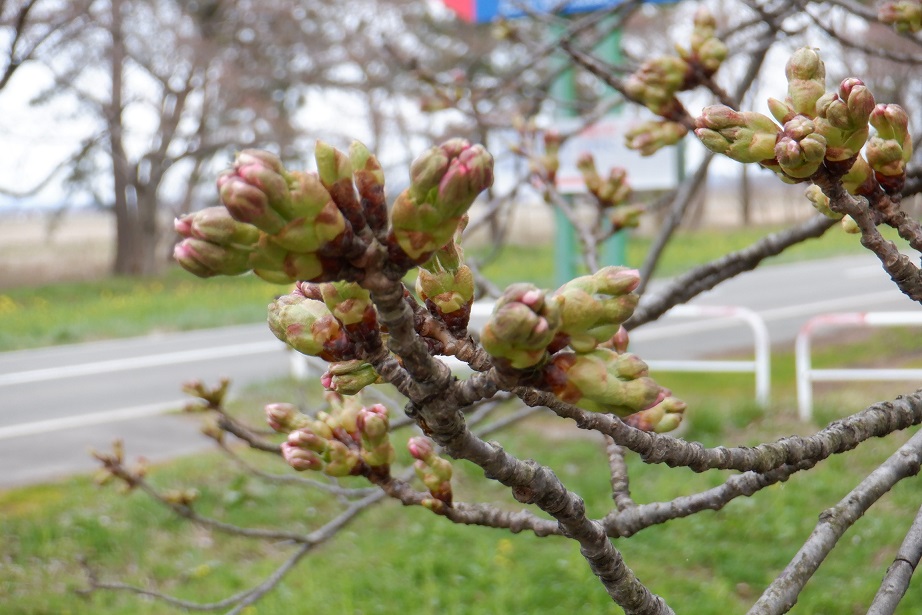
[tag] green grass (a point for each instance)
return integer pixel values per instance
(65, 313)
(687, 250)
(122, 307)
(406, 560)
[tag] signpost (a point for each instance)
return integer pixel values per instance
(596, 139)
(484, 11)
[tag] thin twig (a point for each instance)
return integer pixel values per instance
(896, 581)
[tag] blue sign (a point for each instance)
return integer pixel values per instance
(482, 11)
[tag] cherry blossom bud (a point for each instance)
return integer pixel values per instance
(743, 136)
(373, 424)
(602, 381)
(335, 171)
(800, 150)
(206, 259)
(369, 181)
(650, 137)
(903, 15)
(661, 418)
(434, 471)
(806, 76)
(820, 201)
(592, 308)
(522, 326)
(308, 326)
(349, 377)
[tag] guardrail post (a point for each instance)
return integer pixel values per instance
(806, 374)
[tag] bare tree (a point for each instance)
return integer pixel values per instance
(565, 351)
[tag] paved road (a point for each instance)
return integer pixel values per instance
(57, 403)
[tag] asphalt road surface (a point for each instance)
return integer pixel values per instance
(58, 403)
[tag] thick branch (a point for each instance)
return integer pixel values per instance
(879, 420)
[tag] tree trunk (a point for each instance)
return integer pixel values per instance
(125, 219)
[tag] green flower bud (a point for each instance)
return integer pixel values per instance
(850, 226)
(444, 183)
(820, 201)
(661, 418)
(308, 326)
(342, 460)
(592, 308)
(434, 471)
(248, 203)
(349, 377)
(215, 225)
(335, 171)
(369, 181)
(781, 110)
(800, 151)
(447, 292)
(903, 15)
(522, 326)
(649, 137)
(842, 119)
(860, 178)
(264, 171)
(656, 83)
(806, 76)
(206, 259)
(743, 136)
(373, 425)
(602, 381)
(349, 302)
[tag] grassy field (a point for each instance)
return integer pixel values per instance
(406, 560)
(61, 313)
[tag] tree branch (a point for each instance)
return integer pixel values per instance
(896, 581)
(782, 594)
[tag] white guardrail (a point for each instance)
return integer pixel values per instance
(807, 375)
(760, 366)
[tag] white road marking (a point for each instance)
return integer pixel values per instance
(781, 313)
(85, 420)
(120, 365)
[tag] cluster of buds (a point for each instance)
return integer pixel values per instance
(288, 226)
(593, 307)
(707, 52)
(603, 380)
(800, 150)
(656, 83)
(818, 128)
(433, 470)
(572, 343)
(903, 15)
(446, 285)
(444, 181)
(214, 243)
(662, 417)
(891, 148)
(350, 440)
(651, 136)
(611, 193)
(303, 231)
